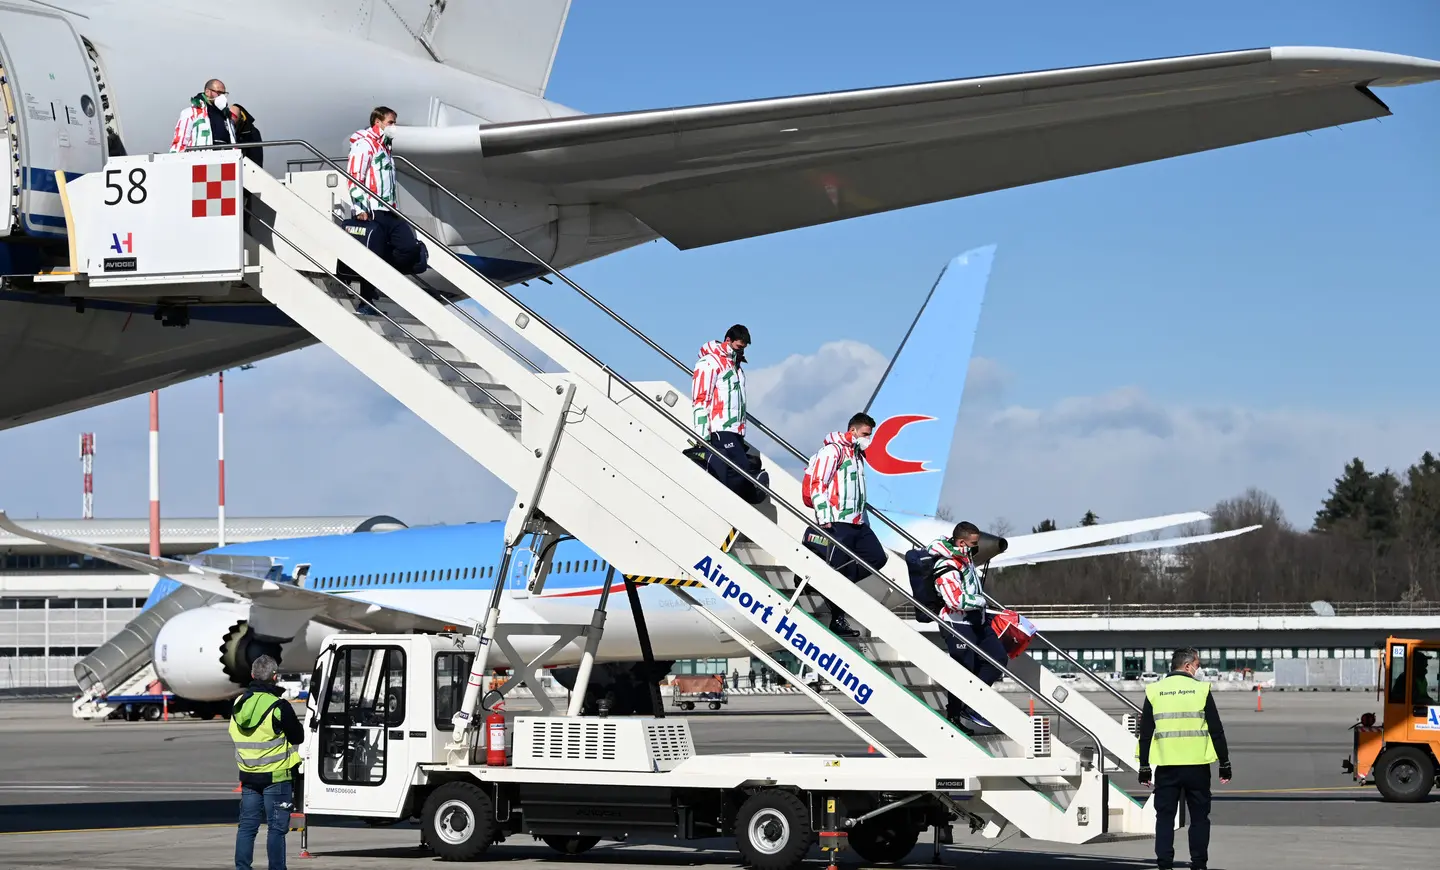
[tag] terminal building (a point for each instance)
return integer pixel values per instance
(57, 607)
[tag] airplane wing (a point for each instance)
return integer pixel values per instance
(1006, 559)
(336, 610)
(701, 175)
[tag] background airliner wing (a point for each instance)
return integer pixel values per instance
(700, 175)
(1006, 559)
(336, 610)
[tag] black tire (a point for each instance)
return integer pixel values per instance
(151, 712)
(1404, 774)
(714, 705)
(884, 841)
(687, 705)
(773, 831)
(459, 821)
(571, 845)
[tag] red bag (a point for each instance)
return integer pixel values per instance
(805, 489)
(1015, 632)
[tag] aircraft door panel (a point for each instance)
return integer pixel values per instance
(50, 93)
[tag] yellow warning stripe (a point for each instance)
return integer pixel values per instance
(730, 540)
(662, 581)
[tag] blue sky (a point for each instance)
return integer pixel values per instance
(1234, 275)
(1155, 338)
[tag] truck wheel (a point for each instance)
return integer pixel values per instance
(459, 821)
(571, 845)
(714, 705)
(150, 712)
(1405, 774)
(688, 705)
(880, 841)
(773, 830)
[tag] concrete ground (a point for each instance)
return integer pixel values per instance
(158, 795)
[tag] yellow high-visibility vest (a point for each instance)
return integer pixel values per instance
(260, 746)
(1181, 733)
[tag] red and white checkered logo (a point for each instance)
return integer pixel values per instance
(215, 189)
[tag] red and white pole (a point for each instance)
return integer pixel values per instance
(87, 465)
(155, 473)
(221, 512)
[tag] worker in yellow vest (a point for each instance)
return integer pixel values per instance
(267, 737)
(1181, 734)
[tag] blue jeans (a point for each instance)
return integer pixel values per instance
(273, 806)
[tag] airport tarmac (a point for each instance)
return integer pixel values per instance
(155, 795)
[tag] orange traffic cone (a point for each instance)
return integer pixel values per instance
(871, 751)
(1032, 706)
(238, 788)
(1259, 700)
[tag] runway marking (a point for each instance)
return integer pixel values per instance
(1330, 788)
(111, 830)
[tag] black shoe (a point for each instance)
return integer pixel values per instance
(840, 627)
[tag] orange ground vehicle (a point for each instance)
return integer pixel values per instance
(1401, 753)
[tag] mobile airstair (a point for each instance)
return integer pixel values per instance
(123, 665)
(600, 458)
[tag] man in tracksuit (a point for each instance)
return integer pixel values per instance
(1181, 734)
(717, 399)
(267, 737)
(834, 485)
(373, 206)
(958, 582)
(206, 120)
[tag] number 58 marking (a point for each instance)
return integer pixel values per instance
(135, 195)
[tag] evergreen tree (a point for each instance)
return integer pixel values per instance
(1420, 503)
(1343, 512)
(1090, 519)
(1045, 526)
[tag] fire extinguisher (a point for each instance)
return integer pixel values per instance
(495, 737)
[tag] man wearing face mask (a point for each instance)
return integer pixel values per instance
(206, 121)
(717, 399)
(958, 583)
(373, 206)
(834, 485)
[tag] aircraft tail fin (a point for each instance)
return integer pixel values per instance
(510, 41)
(923, 386)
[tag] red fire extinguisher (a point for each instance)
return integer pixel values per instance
(495, 737)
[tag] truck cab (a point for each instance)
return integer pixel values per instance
(1398, 753)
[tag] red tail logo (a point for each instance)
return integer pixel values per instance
(879, 456)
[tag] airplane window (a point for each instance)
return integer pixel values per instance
(409, 576)
(449, 574)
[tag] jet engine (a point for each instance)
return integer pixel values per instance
(205, 654)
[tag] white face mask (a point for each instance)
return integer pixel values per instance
(387, 135)
(862, 442)
(222, 101)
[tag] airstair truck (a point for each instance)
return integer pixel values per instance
(597, 457)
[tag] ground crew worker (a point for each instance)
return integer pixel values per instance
(958, 582)
(267, 737)
(206, 121)
(717, 400)
(834, 485)
(1181, 735)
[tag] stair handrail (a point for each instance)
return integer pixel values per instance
(644, 397)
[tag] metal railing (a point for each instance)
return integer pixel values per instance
(1229, 609)
(645, 398)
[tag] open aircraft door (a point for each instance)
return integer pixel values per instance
(53, 118)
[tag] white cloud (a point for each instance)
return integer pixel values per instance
(805, 396)
(1125, 456)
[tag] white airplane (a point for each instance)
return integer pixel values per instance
(88, 78)
(283, 597)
